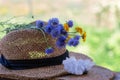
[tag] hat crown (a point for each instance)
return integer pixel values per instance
(28, 44)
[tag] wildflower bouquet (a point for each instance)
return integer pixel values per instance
(61, 32)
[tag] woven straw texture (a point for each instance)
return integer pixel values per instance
(38, 73)
(28, 44)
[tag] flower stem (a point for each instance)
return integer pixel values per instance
(72, 32)
(44, 37)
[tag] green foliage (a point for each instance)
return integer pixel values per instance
(13, 23)
(10, 27)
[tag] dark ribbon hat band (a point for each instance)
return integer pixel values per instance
(32, 63)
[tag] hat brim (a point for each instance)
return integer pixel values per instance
(117, 76)
(38, 73)
(96, 73)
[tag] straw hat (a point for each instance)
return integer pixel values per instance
(23, 57)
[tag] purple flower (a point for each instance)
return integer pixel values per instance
(62, 31)
(70, 23)
(49, 50)
(70, 42)
(76, 42)
(48, 29)
(55, 32)
(60, 44)
(77, 37)
(53, 22)
(60, 26)
(39, 24)
(61, 41)
(73, 42)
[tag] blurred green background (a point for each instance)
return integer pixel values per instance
(99, 18)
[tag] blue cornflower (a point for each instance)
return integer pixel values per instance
(70, 42)
(61, 41)
(48, 29)
(60, 26)
(53, 22)
(77, 37)
(70, 23)
(62, 31)
(39, 24)
(76, 42)
(73, 42)
(55, 32)
(49, 50)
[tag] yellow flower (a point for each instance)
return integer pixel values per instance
(66, 27)
(84, 36)
(68, 38)
(79, 29)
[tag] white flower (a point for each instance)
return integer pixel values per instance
(78, 67)
(87, 64)
(69, 64)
